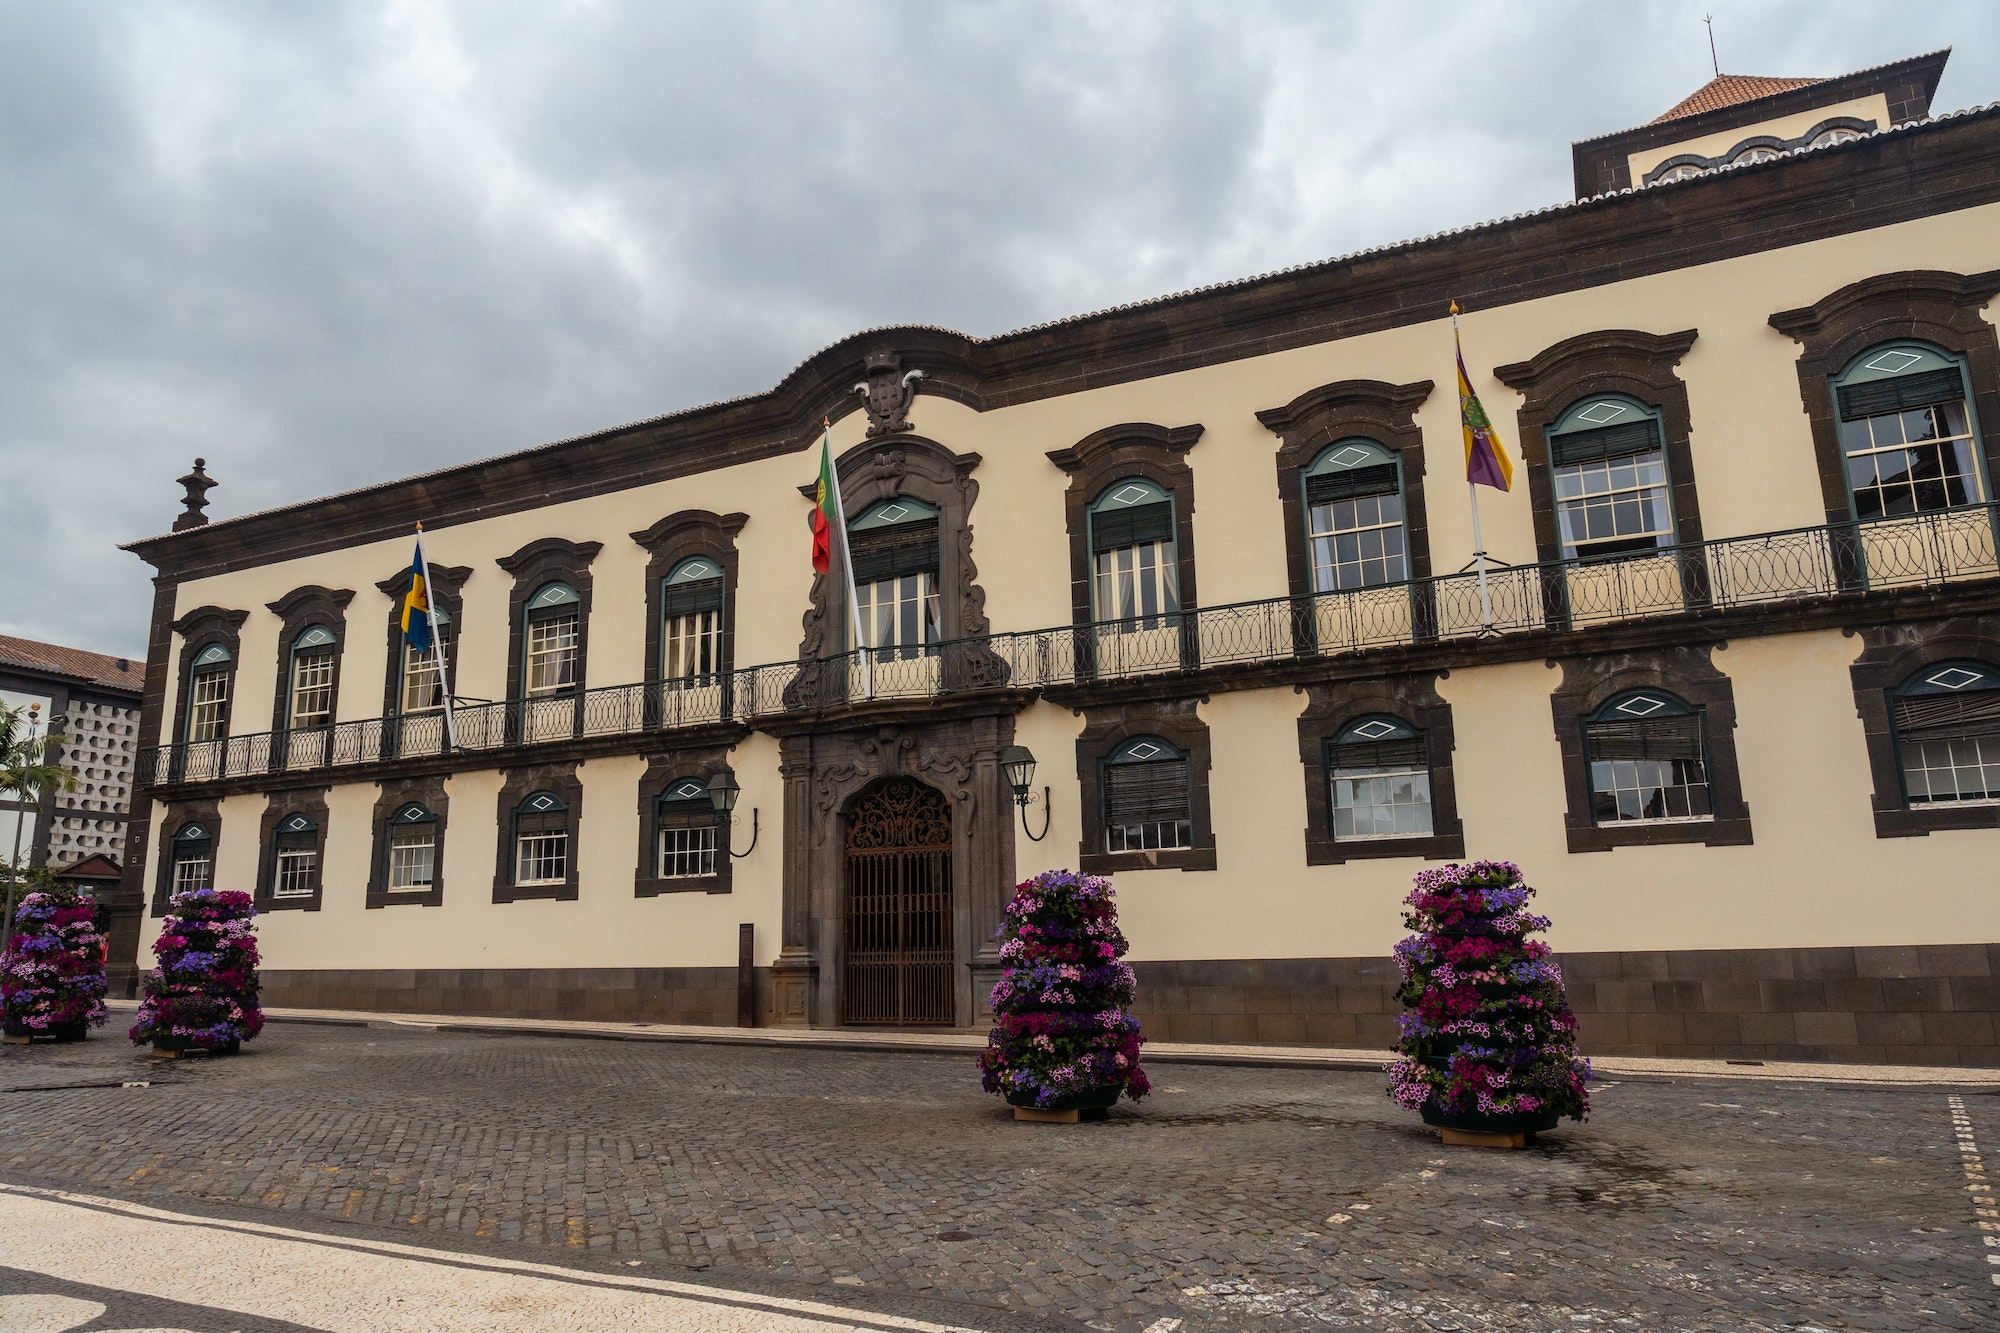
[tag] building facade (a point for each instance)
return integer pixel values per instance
(1728, 693)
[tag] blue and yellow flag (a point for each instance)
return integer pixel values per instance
(417, 629)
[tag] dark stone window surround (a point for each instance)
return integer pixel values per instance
(662, 772)
(198, 629)
(920, 469)
(312, 804)
(541, 562)
(1413, 699)
(678, 537)
(299, 610)
(1891, 655)
(1116, 453)
(178, 815)
(1349, 409)
(1687, 672)
(518, 785)
(1771, 141)
(1622, 361)
(430, 793)
(447, 593)
(1927, 306)
(1104, 730)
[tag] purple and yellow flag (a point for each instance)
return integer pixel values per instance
(1486, 461)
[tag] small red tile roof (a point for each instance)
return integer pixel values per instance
(116, 673)
(95, 866)
(1730, 90)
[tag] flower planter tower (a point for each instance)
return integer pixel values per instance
(1065, 1044)
(203, 995)
(1488, 1052)
(52, 986)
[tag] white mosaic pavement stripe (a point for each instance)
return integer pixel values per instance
(1986, 1211)
(356, 1285)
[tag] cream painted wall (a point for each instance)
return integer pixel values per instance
(1873, 107)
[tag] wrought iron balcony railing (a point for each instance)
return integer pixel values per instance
(1765, 569)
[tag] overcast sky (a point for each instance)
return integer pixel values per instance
(329, 244)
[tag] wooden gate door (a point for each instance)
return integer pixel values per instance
(900, 958)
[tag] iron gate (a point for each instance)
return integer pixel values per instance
(900, 958)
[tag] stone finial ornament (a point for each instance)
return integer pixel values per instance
(887, 393)
(198, 484)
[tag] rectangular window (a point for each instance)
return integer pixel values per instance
(1358, 543)
(693, 647)
(1146, 807)
(192, 871)
(687, 853)
(541, 856)
(1956, 768)
(552, 645)
(1916, 461)
(208, 706)
(899, 613)
(1649, 771)
(298, 866)
(412, 857)
(312, 691)
(423, 691)
(1613, 506)
(1140, 582)
(1380, 790)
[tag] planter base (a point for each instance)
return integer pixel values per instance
(12, 1040)
(1039, 1116)
(1476, 1138)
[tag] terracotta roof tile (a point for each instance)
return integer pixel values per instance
(94, 667)
(1731, 90)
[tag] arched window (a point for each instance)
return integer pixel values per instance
(541, 840)
(295, 858)
(684, 830)
(1379, 772)
(423, 690)
(1647, 765)
(691, 628)
(1611, 483)
(1685, 171)
(194, 859)
(894, 546)
(1829, 137)
(1354, 517)
(1946, 720)
(1135, 575)
(1146, 797)
(1906, 432)
(412, 849)
(1754, 153)
(554, 617)
(312, 679)
(208, 695)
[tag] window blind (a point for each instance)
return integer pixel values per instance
(1128, 527)
(1973, 714)
(543, 821)
(1146, 793)
(888, 553)
(1646, 738)
(1893, 395)
(1594, 446)
(1379, 479)
(683, 599)
(682, 813)
(1409, 752)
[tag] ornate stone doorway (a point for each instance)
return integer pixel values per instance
(901, 962)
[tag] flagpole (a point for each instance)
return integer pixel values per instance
(847, 569)
(1472, 491)
(437, 642)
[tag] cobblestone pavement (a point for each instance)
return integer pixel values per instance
(1233, 1198)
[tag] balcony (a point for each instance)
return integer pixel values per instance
(1764, 570)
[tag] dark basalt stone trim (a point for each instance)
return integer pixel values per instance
(397, 793)
(297, 611)
(1639, 365)
(1925, 305)
(447, 593)
(1115, 454)
(205, 810)
(516, 786)
(1685, 670)
(1920, 172)
(1908, 85)
(310, 802)
(700, 996)
(1104, 730)
(662, 772)
(198, 629)
(1367, 409)
(1414, 699)
(678, 537)
(1890, 655)
(541, 562)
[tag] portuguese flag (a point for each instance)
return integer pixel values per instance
(825, 506)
